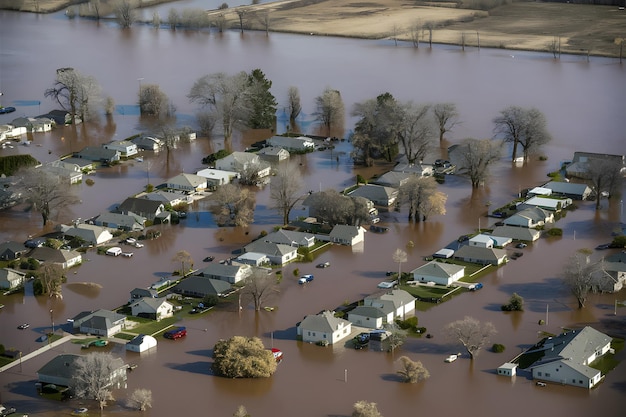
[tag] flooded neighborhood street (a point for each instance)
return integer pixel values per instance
(582, 101)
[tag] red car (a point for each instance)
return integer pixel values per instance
(175, 333)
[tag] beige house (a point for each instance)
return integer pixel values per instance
(438, 272)
(324, 328)
(152, 308)
(10, 278)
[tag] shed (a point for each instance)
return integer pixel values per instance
(444, 253)
(507, 369)
(141, 343)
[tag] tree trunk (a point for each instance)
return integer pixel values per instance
(515, 142)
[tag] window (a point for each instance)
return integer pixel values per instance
(573, 381)
(538, 373)
(580, 382)
(547, 375)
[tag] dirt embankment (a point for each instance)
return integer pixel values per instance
(572, 28)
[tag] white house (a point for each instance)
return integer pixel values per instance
(152, 308)
(10, 278)
(566, 358)
(480, 255)
(253, 258)
(438, 272)
(394, 303)
(225, 272)
(277, 253)
(124, 147)
(217, 177)
(273, 153)
(367, 316)
(575, 191)
(481, 240)
(507, 369)
(187, 182)
(551, 204)
(347, 235)
(100, 322)
(243, 161)
(324, 328)
(531, 217)
(141, 343)
(516, 233)
(90, 233)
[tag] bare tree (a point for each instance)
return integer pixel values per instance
(242, 14)
(156, 20)
(430, 26)
(51, 276)
(241, 412)
(578, 276)
(184, 258)
(76, 93)
(415, 30)
(286, 189)
(334, 208)
(412, 372)
(422, 197)
(524, 127)
(227, 96)
(141, 399)
(125, 13)
(294, 107)
(395, 32)
(400, 257)
(259, 287)
(476, 157)
(46, 192)
(471, 333)
(95, 7)
(153, 101)
(415, 131)
(364, 408)
(220, 22)
(330, 110)
(446, 117)
(233, 206)
(395, 335)
(605, 175)
(95, 375)
(265, 19)
(173, 18)
(376, 132)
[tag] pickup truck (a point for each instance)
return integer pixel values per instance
(175, 333)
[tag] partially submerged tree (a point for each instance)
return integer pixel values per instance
(329, 110)
(522, 127)
(446, 117)
(45, 192)
(96, 375)
(226, 96)
(233, 205)
(286, 189)
(241, 412)
(184, 259)
(263, 102)
(259, 287)
(578, 276)
(422, 197)
(334, 208)
(49, 280)
(125, 13)
(415, 131)
(243, 357)
(154, 102)
(411, 371)
(76, 93)
(294, 106)
(396, 336)
(400, 257)
(516, 303)
(471, 333)
(141, 399)
(364, 408)
(605, 176)
(476, 157)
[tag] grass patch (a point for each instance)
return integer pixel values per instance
(125, 336)
(151, 327)
(5, 361)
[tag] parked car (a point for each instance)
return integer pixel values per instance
(603, 246)
(131, 241)
(175, 333)
(208, 259)
(23, 326)
(476, 287)
(463, 238)
(521, 245)
(305, 278)
(323, 265)
(114, 251)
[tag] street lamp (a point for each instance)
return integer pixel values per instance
(52, 319)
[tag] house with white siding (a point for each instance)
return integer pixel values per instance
(344, 234)
(565, 358)
(324, 328)
(152, 308)
(277, 253)
(531, 217)
(394, 303)
(124, 147)
(438, 272)
(482, 256)
(190, 183)
(10, 278)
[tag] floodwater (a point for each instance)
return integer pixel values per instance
(583, 103)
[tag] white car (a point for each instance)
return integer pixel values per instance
(131, 241)
(451, 358)
(387, 284)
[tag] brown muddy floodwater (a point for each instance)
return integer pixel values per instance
(583, 103)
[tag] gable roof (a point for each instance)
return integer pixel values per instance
(289, 237)
(143, 292)
(187, 180)
(202, 285)
(536, 214)
(103, 318)
(87, 232)
(61, 366)
(221, 270)
(517, 233)
(97, 153)
(344, 232)
(140, 205)
(439, 269)
(269, 248)
(392, 179)
(398, 298)
(478, 252)
(46, 254)
(325, 322)
(368, 311)
(374, 192)
(12, 247)
(124, 220)
(568, 188)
